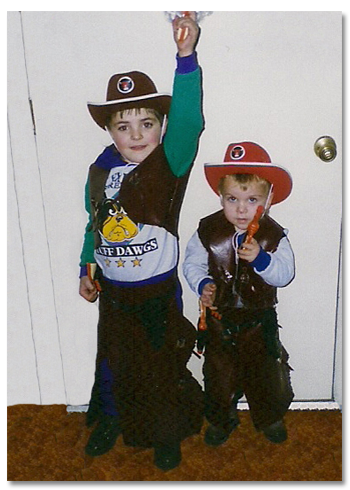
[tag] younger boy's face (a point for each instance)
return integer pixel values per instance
(136, 134)
(240, 205)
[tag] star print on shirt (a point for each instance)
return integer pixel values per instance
(137, 262)
(120, 262)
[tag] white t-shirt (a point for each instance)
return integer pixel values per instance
(129, 251)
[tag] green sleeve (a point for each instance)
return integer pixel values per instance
(185, 122)
(87, 253)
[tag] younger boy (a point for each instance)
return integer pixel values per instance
(237, 282)
(134, 194)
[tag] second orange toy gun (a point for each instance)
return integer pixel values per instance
(254, 224)
(202, 328)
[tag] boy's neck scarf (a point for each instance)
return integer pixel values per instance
(109, 158)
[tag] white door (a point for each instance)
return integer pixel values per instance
(269, 77)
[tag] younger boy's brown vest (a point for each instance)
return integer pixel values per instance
(237, 284)
(150, 194)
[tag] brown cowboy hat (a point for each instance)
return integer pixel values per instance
(128, 91)
(250, 158)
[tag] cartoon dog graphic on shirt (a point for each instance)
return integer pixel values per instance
(114, 224)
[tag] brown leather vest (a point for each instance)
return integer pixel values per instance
(237, 284)
(149, 194)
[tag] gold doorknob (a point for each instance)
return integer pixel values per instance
(325, 148)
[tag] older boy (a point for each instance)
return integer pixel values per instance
(134, 195)
(236, 279)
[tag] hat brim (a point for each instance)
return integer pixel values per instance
(278, 176)
(100, 112)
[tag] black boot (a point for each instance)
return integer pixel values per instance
(215, 435)
(276, 432)
(167, 457)
(104, 436)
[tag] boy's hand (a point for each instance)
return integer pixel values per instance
(249, 251)
(188, 23)
(208, 294)
(87, 289)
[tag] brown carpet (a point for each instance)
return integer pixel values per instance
(47, 444)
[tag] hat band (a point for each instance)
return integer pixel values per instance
(128, 99)
(246, 164)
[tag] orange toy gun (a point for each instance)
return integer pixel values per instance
(254, 224)
(202, 325)
(182, 33)
(91, 269)
(202, 328)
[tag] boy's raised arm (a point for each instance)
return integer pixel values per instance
(185, 118)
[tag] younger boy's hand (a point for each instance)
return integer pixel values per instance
(87, 289)
(249, 251)
(208, 294)
(188, 24)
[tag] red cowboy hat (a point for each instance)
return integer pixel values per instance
(250, 158)
(128, 91)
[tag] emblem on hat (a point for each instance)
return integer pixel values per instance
(237, 152)
(125, 85)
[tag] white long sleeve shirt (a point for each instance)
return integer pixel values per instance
(275, 268)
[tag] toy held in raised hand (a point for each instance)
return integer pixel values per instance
(182, 32)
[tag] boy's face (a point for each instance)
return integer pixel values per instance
(136, 134)
(240, 205)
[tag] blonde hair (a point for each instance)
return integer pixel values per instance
(243, 181)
